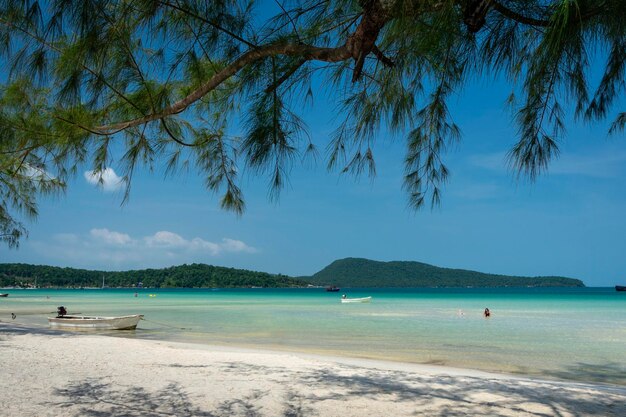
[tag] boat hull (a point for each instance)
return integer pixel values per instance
(356, 300)
(620, 288)
(4, 295)
(95, 323)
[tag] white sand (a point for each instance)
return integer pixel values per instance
(48, 373)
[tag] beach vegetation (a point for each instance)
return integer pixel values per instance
(349, 272)
(219, 87)
(182, 276)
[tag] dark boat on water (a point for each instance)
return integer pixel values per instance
(4, 295)
(332, 289)
(620, 288)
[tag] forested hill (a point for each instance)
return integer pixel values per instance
(186, 276)
(357, 272)
(349, 272)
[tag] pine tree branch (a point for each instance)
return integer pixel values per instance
(54, 48)
(518, 17)
(209, 22)
(277, 83)
(306, 52)
(381, 57)
(511, 14)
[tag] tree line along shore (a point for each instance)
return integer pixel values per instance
(349, 272)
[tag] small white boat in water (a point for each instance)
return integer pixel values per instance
(95, 323)
(356, 300)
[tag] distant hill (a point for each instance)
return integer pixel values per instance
(184, 276)
(349, 272)
(358, 272)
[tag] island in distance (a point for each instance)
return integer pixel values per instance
(359, 272)
(345, 273)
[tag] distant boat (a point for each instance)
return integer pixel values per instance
(4, 295)
(356, 300)
(332, 289)
(620, 288)
(95, 323)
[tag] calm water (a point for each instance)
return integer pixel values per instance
(562, 333)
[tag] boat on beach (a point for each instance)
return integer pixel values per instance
(95, 323)
(356, 300)
(620, 288)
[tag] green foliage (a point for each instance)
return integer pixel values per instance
(349, 272)
(184, 276)
(130, 83)
(356, 272)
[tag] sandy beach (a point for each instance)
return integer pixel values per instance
(50, 373)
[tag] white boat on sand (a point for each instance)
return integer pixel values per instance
(356, 300)
(95, 323)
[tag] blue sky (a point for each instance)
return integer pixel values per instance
(570, 222)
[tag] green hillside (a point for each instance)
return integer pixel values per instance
(184, 276)
(349, 272)
(357, 272)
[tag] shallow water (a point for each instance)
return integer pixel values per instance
(565, 333)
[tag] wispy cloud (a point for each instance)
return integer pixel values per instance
(104, 248)
(604, 163)
(490, 161)
(107, 179)
(109, 237)
(478, 191)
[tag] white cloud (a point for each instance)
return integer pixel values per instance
(110, 237)
(165, 239)
(35, 173)
(104, 248)
(232, 245)
(198, 244)
(107, 179)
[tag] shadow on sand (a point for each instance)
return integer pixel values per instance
(306, 391)
(94, 398)
(334, 390)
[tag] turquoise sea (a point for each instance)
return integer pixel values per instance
(564, 333)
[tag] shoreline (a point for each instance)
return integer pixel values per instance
(48, 372)
(526, 336)
(357, 358)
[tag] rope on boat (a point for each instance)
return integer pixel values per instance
(165, 324)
